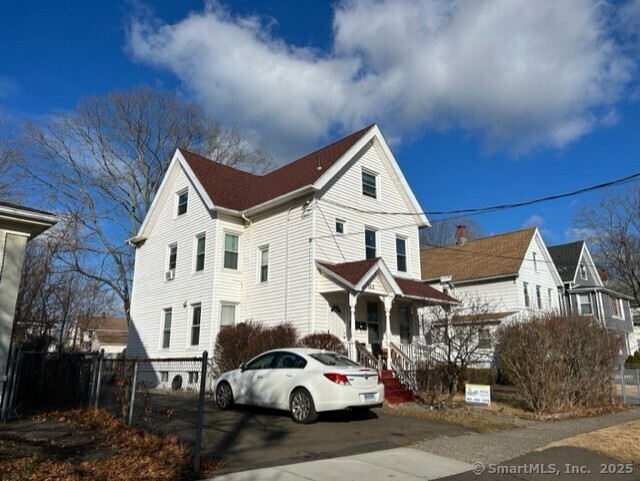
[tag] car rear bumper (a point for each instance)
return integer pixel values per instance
(345, 397)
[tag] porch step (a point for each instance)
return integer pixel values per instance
(394, 391)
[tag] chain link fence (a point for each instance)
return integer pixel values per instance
(628, 385)
(164, 396)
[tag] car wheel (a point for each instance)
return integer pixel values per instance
(303, 410)
(224, 396)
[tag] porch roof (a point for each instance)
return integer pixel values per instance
(356, 273)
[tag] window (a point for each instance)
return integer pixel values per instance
(194, 377)
(526, 295)
(585, 304)
(550, 297)
(183, 198)
(201, 242)
(484, 338)
(166, 329)
(614, 304)
(264, 264)
(340, 226)
(171, 262)
(196, 316)
(227, 315)
(231, 251)
(263, 362)
(535, 262)
(583, 272)
(401, 254)
(369, 184)
(289, 360)
(539, 296)
(370, 243)
(164, 376)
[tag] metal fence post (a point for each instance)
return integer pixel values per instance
(198, 442)
(99, 379)
(134, 383)
(638, 384)
(622, 384)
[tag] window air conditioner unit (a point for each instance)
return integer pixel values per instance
(170, 275)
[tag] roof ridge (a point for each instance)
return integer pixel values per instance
(567, 244)
(470, 241)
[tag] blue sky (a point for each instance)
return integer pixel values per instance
(483, 102)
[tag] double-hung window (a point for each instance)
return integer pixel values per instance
(370, 243)
(539, 296)
(585, 304)
(369, 184)
(614, 305)
(401, 254)
(527, 303)
(166, 328)
(227, 315)
(583, 272)
(172, 260)
(196, 318)
(484, 338)
(264, 264)
(201, 242)
(231, 251)
(182, 201)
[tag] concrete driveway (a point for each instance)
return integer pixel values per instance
(251, 438)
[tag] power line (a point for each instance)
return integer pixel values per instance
(483, 210)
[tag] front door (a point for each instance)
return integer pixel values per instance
(337, 325)
(373, 327)
(405, 324)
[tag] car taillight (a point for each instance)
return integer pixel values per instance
(337, 378)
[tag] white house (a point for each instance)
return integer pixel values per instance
(513, 273)
(310, 243)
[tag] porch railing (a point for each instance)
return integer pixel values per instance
(367, 359)
(403, 366)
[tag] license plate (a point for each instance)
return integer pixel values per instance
(369, 396)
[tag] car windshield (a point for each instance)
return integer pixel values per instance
(333, 359)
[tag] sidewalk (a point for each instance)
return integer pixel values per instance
(505, 455)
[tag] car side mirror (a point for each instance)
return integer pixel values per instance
(243, 367)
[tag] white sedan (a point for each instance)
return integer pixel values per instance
(303, 381)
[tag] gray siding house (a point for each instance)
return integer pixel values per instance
(585, 293)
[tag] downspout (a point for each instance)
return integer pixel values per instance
(248, 270)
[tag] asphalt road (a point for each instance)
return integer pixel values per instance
(251, 438)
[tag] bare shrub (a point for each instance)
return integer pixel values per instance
(559, 363)
(323, 340)
(241, 342)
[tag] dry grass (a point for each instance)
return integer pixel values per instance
(619, 442)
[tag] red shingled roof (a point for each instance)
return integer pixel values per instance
(235, 189)
(353, 272)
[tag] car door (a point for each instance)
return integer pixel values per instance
(253, 376)
(287, 368)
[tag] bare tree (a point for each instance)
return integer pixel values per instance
(443, 232)
(9, 154)
(458, 337)
(611, 226)
(104, 161)
(51, 297)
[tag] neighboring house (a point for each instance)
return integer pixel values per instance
(512, 274)
(18, 225)
(634, 339)
(585, 292)
(308, 243)
(103, 332)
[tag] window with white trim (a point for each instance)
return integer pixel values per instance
(201, 243)
(196, 319)
(340, 226)
(614, 305)
(585, 304)
(484, 338)
(527, 303)
(166, 328)
(550, 297)
(401, 254)
(194, 377)
(231, 251)
(182, 199)
(227, 315)
(264, 264)
(172, 260)
(370, 243)
(539, 296)
(369, 184)
(583, 272)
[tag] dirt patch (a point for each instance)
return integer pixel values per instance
(617, 442)
(91, 444)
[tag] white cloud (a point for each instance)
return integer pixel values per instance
(573, 234)
(520, 74)
(535, 220)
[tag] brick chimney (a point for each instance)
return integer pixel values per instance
(461, 234)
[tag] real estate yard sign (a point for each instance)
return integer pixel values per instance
(477, 394)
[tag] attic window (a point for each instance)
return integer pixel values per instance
(583, 272)
(183, 198)
(369, 184)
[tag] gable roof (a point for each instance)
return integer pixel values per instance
(238, 190)
(489, 257)
(566, 257)
(357, 271)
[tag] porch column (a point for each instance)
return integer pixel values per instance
(387, 301)
(353, 299)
